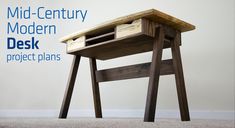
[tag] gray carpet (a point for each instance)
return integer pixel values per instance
(112, 123)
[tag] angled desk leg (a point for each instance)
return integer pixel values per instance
(95, 88)
(154, 76)
(179, 78)
(70, 85)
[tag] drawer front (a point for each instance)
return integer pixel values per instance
(76, 44)
(129, 29)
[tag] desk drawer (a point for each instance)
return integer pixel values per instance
(137, 26)
(131, 28)
(76, 44)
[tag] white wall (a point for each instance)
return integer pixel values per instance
(207, 53)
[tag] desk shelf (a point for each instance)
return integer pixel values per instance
(117, 47)
(121, 40)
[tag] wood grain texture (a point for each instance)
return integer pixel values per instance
(128, 29)
(132, 71)
(95, 88)
(151, 100)
(152, 14)
(179, 78)
(76, 44)
(69, 89)
(142, 25)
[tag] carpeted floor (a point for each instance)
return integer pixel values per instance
(113, 123)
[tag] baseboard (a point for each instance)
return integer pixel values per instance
(126, 113)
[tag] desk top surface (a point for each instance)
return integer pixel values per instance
(151, 14)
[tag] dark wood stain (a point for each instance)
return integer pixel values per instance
(95, 88)
(69, 89)
(132, 71)
(179, 78)
(151, 100)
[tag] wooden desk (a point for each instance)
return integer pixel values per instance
(150, 30)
